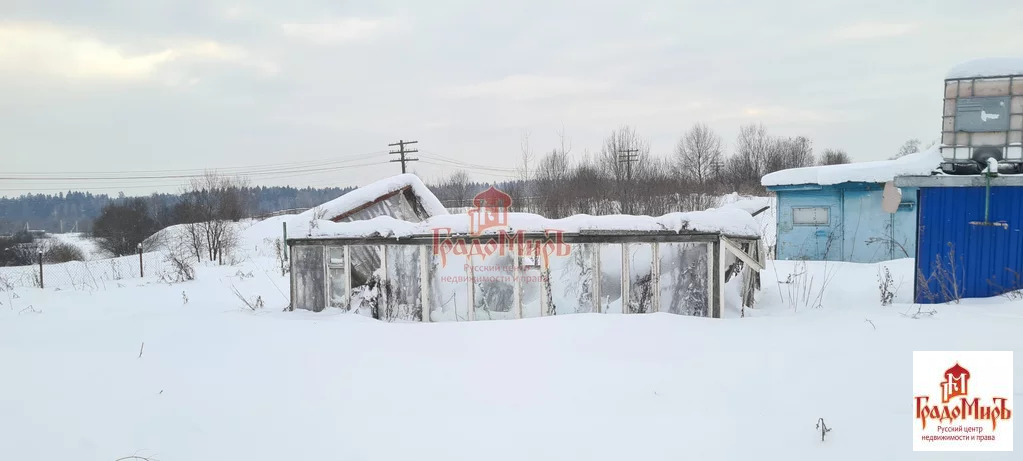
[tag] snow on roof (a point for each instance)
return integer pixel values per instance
(750, 204)
(918, 164)
(373, 191)
(729, 221)
(987, 67)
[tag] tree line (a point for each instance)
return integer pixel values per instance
(78, 210)
(624, 176)
(205, 210)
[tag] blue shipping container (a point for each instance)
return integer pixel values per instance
(957, 257)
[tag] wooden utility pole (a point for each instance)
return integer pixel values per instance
(402, 151)
(628, 156)
(716, 167)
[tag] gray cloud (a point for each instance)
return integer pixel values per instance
(123, 85)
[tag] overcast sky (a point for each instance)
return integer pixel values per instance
(113, 86)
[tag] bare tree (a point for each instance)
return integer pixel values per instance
(550, 182)
(211, 203)
(519, 190)
(909, 147)
(527, 157)
(459, 186)
(192, 236)
(785, 153)
(697, 154)
(833, 157)
(614, 160)
(747, 163)
(586, 189)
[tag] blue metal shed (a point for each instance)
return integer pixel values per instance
(843, 222)
(959, 253)
(835, 212)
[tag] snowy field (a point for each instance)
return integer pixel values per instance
(88, 246)
(136, 370)
(187, 371)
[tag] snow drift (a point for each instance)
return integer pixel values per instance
(918, 164)
(731, 221)
(987, 67)
(373, 191)
(135, 371)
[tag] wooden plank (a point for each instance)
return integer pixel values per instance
(737, 251)
(711, 281)
(348, 277)
(655, 277)
(719, 281)
(471, 287)
(596, 280)
(424, 283)
(626, 279)
(517, 273)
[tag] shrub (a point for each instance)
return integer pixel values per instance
(886, 286)
(62, 252)
(181, 270)
(18, 250)
(120, 228)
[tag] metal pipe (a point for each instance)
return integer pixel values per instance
(987, 197)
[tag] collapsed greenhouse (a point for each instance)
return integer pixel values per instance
(492, 264)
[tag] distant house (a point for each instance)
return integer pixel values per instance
(849, 212)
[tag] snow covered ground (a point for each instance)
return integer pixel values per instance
(88, 246)
(186, 371)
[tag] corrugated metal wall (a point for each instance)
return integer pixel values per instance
(956, 257)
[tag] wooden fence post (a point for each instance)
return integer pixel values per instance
(41, 269)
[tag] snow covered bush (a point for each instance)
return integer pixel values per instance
(805, 290)
(253, 305)
(62, 252)
(281, 254)
(942, 284)
(886, 285)
(1014, 289)
(179, 269)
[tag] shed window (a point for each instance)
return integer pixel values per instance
(810, 216)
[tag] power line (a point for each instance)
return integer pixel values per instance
(199, 171)
(107, 186)
(401, 152)
(283, 172)
(480, 172)
(467, 164)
